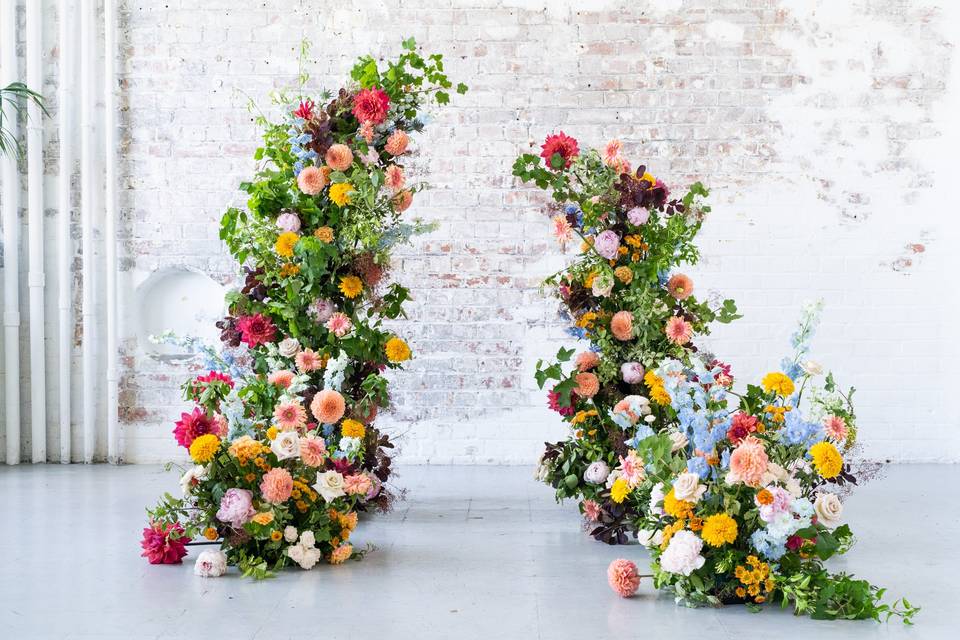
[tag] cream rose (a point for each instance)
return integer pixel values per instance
(679, 441)
(687, 487)
(828, 509)
(289, 347)
(286, 445)
(329, 484)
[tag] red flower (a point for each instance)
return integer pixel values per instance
(741, 426)
(305, 110)
(725, 377)
(256, 329)
(163, 544)
(371, 105)
(553, 401)
(342, 466)
(561, 144)
(192, 425)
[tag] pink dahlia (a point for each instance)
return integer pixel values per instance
(591, 510)
(339, 157)
(621, 325)
(163, 544)
(277, 485)
(403, 200)
(371, 105)
(394, 179)
(192, 425)
(221, 426)
(741, 426)
(748, 462)
(366, 132)
(397, 143)
(313, 451)
(561, 144)
(290, 416)
(588, 385)
(256, 329)
(836, 428)
(678, 330)
(358, 484)
(553, 401)
(587, 360)
(312, 180)
(562, 230)
(339, 324)
(611, 152)
(623, 577)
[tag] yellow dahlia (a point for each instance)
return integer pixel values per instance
(719, 529)
(826, 459)
(204, 447)
(340, 193)
(285, 244)
(619, 490)
(397, 350)
(351, 286)
(778, 383)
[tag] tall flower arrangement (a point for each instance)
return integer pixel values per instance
(627, 299)
(286, 454)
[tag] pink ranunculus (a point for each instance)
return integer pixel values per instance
(160, 546)
(632, 372)
(289, 222)
(638, 216)
(623, 577)
(276, 485)
(236, 507)
(606, 243)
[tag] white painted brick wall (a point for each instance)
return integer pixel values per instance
(827, 131)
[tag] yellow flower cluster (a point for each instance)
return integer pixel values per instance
(289, 270)
(397, 350)
(777, 414)
(679, 509)
(246, 448)
(340, 193)
(587, 320)
(668, 532)
(581, 416)
(351, 286)
(352, 429)
(657, 393)
(285, 244)
(754, 576)
(263, 518)
(204, 447)
(826, 459)
(779, 383)
(301, 493)
(719, 529)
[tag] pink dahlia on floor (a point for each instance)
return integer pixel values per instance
(277, 485)
(163, 544)
(836, 428)
(591, 510)
(290, 416)
(256, 329)
(341, 554)
(192, 425)
(371, 105)
(561, 144)
(623, 577)
(678, 330)
(339, 324)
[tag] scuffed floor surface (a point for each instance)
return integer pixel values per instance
(475, 552)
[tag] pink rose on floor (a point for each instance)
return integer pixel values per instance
(638, 216)
(632, 372)
(623, 577)
(606, 244)
(591, 510)
(160, 546)
(236, 507)
(289, 222)
(276, 486)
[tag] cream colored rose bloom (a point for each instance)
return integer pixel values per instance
(289, 347)
(775, 473)
(828, 509)
(649, 538)
(687, 487)
(679, 441)
(329, 484)
(286, 445)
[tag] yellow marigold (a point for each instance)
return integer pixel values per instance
(634, 240)
(581, 416)
(275, 535)
(324, 234)
(619, 490)
(588, 281)
(210, 533)
(289, 269)
(587, 320)
(285, 244)
(677, 508)
(340, 193)
(397, 350)
(272, 433)
(660, 396)
(351, 286)
(352, 429)
(623, 274)
(826, 459)
(204, 447)
(264, 518)
(719, 529)
(668, 532)
(777, 382)
(349, 521)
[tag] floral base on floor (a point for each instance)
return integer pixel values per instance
(282, 432)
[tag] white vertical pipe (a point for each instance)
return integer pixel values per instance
(65, 245)
(88, 36)
(11, 247)
(110, 227)
(36, 277)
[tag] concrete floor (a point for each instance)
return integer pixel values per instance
(475, 552)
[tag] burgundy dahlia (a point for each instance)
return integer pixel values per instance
(192, 425)
(256, 329)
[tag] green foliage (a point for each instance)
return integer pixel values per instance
(16, 95)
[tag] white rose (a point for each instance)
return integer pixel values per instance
(307, 539)
(329, 484)
(687, 487)
(683, 554)
(828, 509)
(290, 533)
(597, 472)
(289, 347)
(305, 556)
(679, 441)
(649, 538)
(210, 564)
(811, 367)
(193, 475)
(656, 498)
(286, 445)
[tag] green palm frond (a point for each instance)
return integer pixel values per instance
(17, 95)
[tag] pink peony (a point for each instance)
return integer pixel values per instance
(623, 577)
(276, 486)
(587, 360)
(236, 507)
(632, 372)
(289, 222)
(192, 425)
(561, 144)
(607, 244)
(282, 378)
(678, 330)
(748, 462)
(312, 180)
(397, 143)
(256, 329)
(357, 485)
(339, 324)
(591, 510)
(313, 451)
(339, 157)
(375, 486)
(290, 416)
(163, 544)
(836, 428)
(308, 360)
(321, 310)
(371, 105)
(394, 179)
(638, 216)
